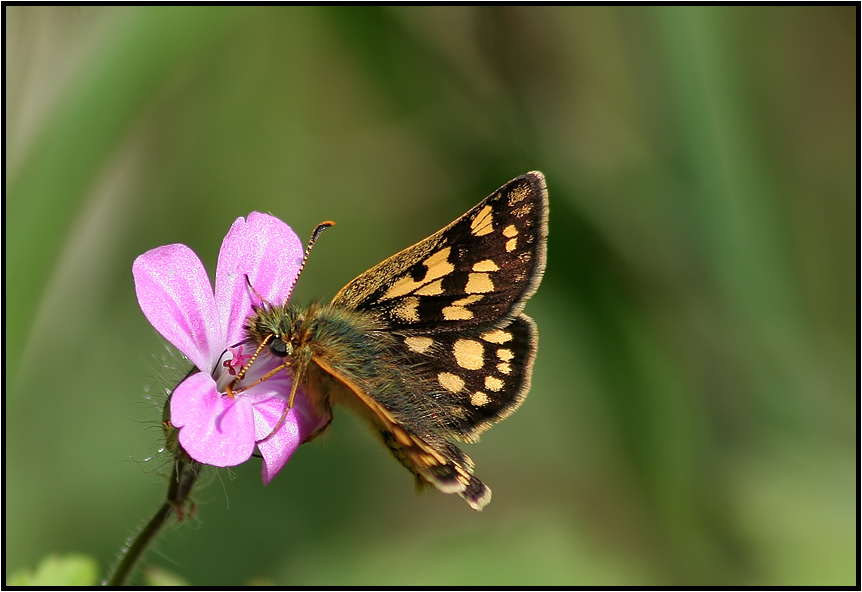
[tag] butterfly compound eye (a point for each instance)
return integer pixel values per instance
(278, 348)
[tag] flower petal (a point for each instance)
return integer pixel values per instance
(175, 294)
(214, 429)
(267, 251)
(299, 423)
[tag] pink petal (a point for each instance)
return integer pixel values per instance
(214, 429)
(299, 423)
(175, 294)
(266, 250)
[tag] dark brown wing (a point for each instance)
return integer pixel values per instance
(477, 272)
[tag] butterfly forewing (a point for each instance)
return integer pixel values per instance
(477, 271)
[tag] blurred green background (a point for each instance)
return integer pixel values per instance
(693, 413)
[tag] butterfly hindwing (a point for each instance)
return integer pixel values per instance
(414, 438)
(481, 375)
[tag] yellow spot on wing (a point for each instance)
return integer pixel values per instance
(504, 354)
(510, 231)
(518, 194)
(497, 336)
(407, 311)
(482, 224)
(479, 398)
(522, 211)
(436, 266)
(467, 300)
(492, 383)
(437, 257)
(511, 244)
(451, 382)
(420, 345)
(456, 313)
(469, 354)
(485, 265)
(402, 287)
(435, 288)
(479, 283)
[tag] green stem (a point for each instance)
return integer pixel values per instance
(183, 477)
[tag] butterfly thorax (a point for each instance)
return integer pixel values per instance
(337, 355)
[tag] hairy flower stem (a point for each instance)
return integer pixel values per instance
(183, 477)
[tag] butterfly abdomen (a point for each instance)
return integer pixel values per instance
(376, 376)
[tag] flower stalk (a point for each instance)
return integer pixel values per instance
(183, 477)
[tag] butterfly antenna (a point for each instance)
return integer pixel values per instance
(320, 228)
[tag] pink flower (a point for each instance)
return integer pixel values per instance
(176, 296)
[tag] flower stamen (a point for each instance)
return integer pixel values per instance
(237, 361)
(243, 370)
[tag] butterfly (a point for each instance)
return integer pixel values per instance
(430, 345)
